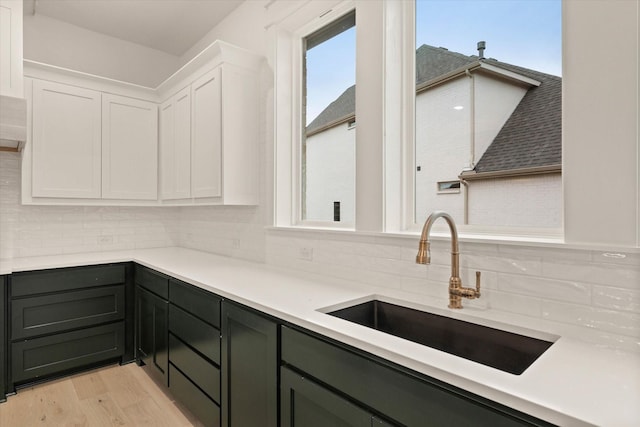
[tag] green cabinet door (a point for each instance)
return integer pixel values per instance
(307, 404)
(152, 314)
(3, 338)
(249, 368)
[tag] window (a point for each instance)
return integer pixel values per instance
(591, 115)
(448, 187)
(488, 110)
(327, 173)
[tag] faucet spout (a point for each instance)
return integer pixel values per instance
(456, 290)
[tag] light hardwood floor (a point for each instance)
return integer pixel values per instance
(109, 396)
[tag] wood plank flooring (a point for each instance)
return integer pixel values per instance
(110, 396)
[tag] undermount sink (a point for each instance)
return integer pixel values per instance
(507, 351)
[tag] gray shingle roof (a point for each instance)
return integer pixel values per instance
(531, 137)
(344, 106)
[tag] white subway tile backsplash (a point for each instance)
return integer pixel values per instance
(622, 323)
(603, 274)
(616, 298)
(544, 288)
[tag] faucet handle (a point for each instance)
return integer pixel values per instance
(477, 284)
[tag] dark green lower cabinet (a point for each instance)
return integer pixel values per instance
(189, 395)
(152, 315)
(307, 404)
(249, 368)
(55, 354)
(399, 395)
(3, 338)
(65, 320)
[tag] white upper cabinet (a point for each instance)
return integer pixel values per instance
(224, 133)
(129, 148)
(11, 79)
(175, 146)
(66, 141)
(95, 141)
(206, 146)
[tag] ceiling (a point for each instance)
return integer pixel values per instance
(171, 26)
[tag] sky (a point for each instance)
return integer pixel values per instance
(521, 32)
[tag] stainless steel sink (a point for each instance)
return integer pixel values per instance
(507, 351)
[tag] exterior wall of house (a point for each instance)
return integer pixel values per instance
(444, 134)
(443, 150)
(330, 174)
(533, 201)
(495, 102)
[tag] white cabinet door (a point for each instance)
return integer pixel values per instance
(66, 141)
(11, 79)
(129, 148)
(175, 146)
(206, 134)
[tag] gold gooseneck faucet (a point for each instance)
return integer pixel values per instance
(456, 290)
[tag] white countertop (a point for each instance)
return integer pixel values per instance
(572, 383)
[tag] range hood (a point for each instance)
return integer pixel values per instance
(13, 123)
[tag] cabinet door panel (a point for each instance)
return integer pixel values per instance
(175, 146)
(59, 312)
(193, 331)
(198, 369)
(3, 338)
(39, 357)
(152, 328)
(129, 148)
(11, 82)
(65, 279)
(153, 281)
(195, 301)
(249, 368)
(307, 404)
(206, 134)
(194, 399)
(66, 141)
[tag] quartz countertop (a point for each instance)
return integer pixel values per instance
(573, 383)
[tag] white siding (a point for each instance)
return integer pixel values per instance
(331, 165)
(534, 201)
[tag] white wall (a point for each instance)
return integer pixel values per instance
(495, 101)
(52, 230)
(601, 156)
(443, 139)
(530, 201)
(65, 45)
(331, 174)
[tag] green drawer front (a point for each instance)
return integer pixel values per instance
(40, 357)
(193, 398)
(196, 301)
(199, 370)
(70, 310)
(65, 279)
(193, 331)
(153, 281)
(404, 398)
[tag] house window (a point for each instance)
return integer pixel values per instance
(448, 187)
(488, 110)
(327, 164)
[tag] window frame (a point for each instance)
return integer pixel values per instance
(289, 106)
(382, 205)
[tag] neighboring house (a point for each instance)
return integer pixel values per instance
(488, 144)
